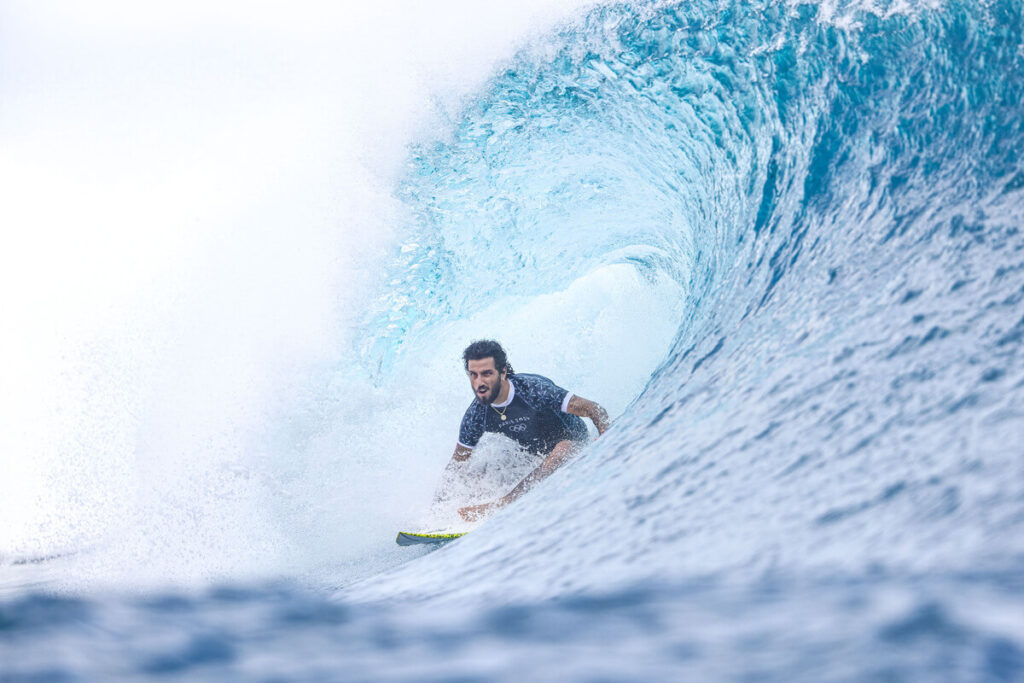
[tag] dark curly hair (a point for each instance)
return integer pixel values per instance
(487, 348)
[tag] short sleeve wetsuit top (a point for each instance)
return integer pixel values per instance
(535, 416)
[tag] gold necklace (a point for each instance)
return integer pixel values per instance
(500, 412)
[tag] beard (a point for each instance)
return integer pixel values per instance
(489, 398)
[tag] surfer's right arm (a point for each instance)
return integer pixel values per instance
(460, 455)
(470, 431)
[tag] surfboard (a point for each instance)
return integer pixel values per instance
(419, 537)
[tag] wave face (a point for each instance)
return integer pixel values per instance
(823, 207)
(839, 196)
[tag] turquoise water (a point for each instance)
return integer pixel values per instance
(795, 230)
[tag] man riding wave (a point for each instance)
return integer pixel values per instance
(529, 409)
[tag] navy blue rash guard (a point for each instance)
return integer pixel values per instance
(535, 416)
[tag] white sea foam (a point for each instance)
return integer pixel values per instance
(196, 200)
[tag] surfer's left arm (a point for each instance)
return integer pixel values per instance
(562, 451)
(584, 408)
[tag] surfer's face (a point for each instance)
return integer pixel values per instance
(485, 379)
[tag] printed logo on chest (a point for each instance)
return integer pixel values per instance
(517, 424)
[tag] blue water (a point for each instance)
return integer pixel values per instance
(809, 217)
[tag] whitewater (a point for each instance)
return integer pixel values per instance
(779, 241)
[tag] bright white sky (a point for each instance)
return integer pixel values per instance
(129, 130)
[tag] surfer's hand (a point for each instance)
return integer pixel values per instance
(471, 513)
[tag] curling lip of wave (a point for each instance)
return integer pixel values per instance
(839, 197)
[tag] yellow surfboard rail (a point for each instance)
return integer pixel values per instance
(417, 537)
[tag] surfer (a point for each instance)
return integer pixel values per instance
(529, 409)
